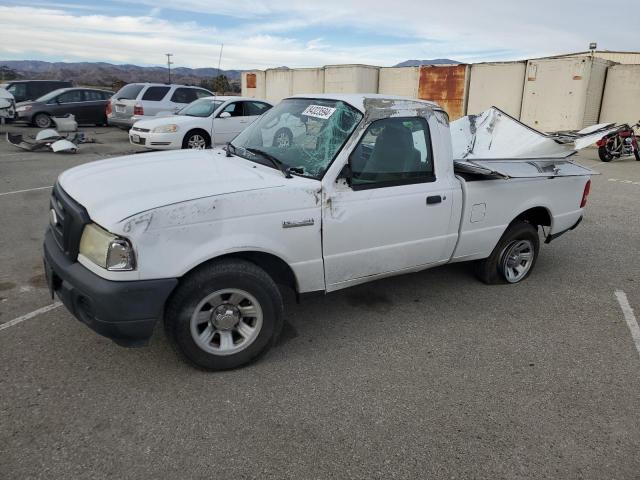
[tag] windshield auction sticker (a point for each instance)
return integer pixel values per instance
(318, 111)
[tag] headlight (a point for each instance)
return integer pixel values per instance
(166, 128)
(24, 108)
(106, 250)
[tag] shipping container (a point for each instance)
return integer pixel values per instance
(498, 84)
(253, 84)
(401, 81)
(447, 85)
(563, 93)
(279, 84)
(621, 99)
(351, 79)
(307, 80)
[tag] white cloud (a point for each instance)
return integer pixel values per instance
(276, 32)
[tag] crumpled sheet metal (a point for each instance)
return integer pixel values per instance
(64, 146)
(48, 134)
(66, 124)
(493, 134)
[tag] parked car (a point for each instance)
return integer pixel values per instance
(86, 104)
(7, 105)
(26, 90)
(137, 101)
(370, 191)
(201, 124)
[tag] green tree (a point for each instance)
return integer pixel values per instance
(7, 73)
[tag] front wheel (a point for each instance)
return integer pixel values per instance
(42, 120)
(225, 315)
(195, 141)
(513, 258)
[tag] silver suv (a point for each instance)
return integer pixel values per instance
(139, 101)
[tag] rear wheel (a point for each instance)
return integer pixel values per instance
(42, 120)
(636, 152)
(604, 154)
(225, 315)
(513, 258)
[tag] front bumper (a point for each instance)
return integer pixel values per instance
(156, 141)
(125, 312)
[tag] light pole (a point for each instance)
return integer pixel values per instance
(169, 63)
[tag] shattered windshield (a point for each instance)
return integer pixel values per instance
(303, 134)
(201, 108)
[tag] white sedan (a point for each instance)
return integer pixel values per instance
(203, 123)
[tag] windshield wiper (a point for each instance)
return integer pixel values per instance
(278, 164)
(228, 149)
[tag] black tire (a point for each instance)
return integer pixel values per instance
(604, 154)
(224, 274)
(42, 120)
(636, 152)
(283, 138)
(492, 270)
(191, 137)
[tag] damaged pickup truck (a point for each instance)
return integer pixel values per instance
(366, 188)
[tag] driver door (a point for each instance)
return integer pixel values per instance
(229, 122)
(396, 213)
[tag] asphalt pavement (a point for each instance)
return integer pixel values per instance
(428, 375)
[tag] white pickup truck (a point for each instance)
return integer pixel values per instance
(206, 240)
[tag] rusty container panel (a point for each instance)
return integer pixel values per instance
(446, 85)
(253, 84)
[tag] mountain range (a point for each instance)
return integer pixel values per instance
(108, 74)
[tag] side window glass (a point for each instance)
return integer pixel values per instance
(71, 97)
(155, 93)
(393, 151)
(202, 93)
(18, 90)
(255, 108)
(235, 109)
(183, 95)
(92, 96)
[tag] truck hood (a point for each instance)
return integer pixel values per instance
(115, 189)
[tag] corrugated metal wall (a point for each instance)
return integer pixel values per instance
(351, 79)
(307, 80)
(498, 84)
(253, 84)
(279, 84)
(401, 81)
(445, 85)
(563, 93)
(621, 99)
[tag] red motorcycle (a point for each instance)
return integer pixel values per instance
(619, 143)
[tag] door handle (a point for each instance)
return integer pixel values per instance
(433, 199)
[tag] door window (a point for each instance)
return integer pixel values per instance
(71, 97)
(155, 93)
(255, 108)
(235, 109)
(92, 96)
(183, 95)
(393, 151)
(18, 90)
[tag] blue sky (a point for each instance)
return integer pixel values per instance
(269, 33)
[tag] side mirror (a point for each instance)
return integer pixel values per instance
(224, 115)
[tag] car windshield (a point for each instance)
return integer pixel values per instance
(201, 108)
(50, 95)
(304, 134)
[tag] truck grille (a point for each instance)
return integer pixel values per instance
(67, 218)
